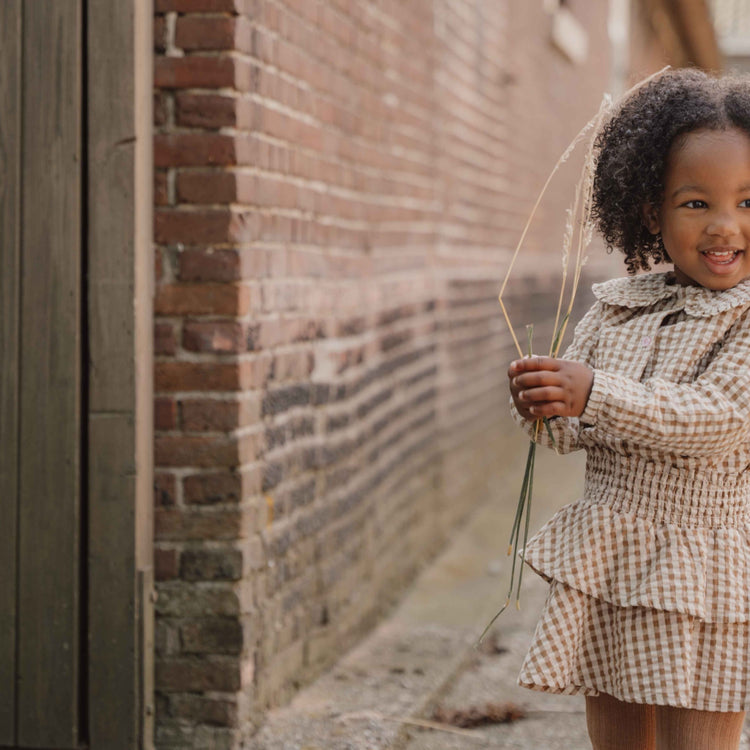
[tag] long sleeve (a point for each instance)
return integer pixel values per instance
(566, 429)
(703, 418)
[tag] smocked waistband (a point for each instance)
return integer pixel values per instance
(666, 494)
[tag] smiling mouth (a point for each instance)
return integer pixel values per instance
(723, 256)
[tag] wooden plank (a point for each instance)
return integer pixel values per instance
(147, 644)
(49, 638)
(10, 184)
(121, 396)
(113, 683)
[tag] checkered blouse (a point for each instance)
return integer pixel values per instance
(654, 562)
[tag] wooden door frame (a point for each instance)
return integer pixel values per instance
(76, 394)
(119, 136)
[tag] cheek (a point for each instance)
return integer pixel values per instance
(678, 235)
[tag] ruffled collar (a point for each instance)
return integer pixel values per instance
(645, 290)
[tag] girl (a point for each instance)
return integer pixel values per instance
(648, 613)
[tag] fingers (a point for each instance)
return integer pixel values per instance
(549, 409)
(539, 392)
(546, 386)
(538, 379)
(524, 412)
(532, 364)
(531, 396)
(550, 401)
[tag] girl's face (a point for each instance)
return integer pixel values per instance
(704, 218)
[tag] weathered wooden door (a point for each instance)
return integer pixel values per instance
(74, 402)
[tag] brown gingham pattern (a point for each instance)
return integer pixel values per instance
(584, 645)
(650, 569)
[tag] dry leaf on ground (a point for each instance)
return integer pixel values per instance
(475, 716)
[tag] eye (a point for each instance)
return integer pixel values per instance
(745, 203)
(695, 204)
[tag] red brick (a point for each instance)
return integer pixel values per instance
(213, 489)
(164, 339)
(270, 334)
(160, 33)
(194, 150)
(252, 479)
(209, 710)
(246, 147)
(158, 265)
(210, 265)
(295, 366)
(213, 635)
(205, 32)
(243, 35)
(194, 376)
(247, 114)
(165, 414)
(222, 564)
(161, 195)
(202, 227)
(246, 75)
(194, 72)
(219, 337)
(165, 489)
(250, 410)
(263, 45)
(206, 187)
(211, 376)
(188, 450)
(209, 415)
(202, 299)
(205, 110)
(313, 262)
(254, 190)
(160, 109)
(178, 524)
(196, 674)
(251, 263)
(166, 564)
(258, 371)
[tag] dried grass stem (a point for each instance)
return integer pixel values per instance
(578, 229)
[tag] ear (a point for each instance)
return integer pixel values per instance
(651, 218)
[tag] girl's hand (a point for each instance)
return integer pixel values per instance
(550, 387)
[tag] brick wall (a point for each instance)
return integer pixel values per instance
(339, 186)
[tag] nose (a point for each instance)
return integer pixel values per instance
(723, 224)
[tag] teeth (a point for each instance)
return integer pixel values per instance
(722, 255)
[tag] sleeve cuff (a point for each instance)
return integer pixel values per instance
(597, 397)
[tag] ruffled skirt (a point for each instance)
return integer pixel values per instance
(643, 608)
(584, 645)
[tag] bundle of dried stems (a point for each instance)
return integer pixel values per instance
(578, 233)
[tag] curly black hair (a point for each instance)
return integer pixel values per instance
(634, 146)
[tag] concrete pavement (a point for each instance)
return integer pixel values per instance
(423, 655)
